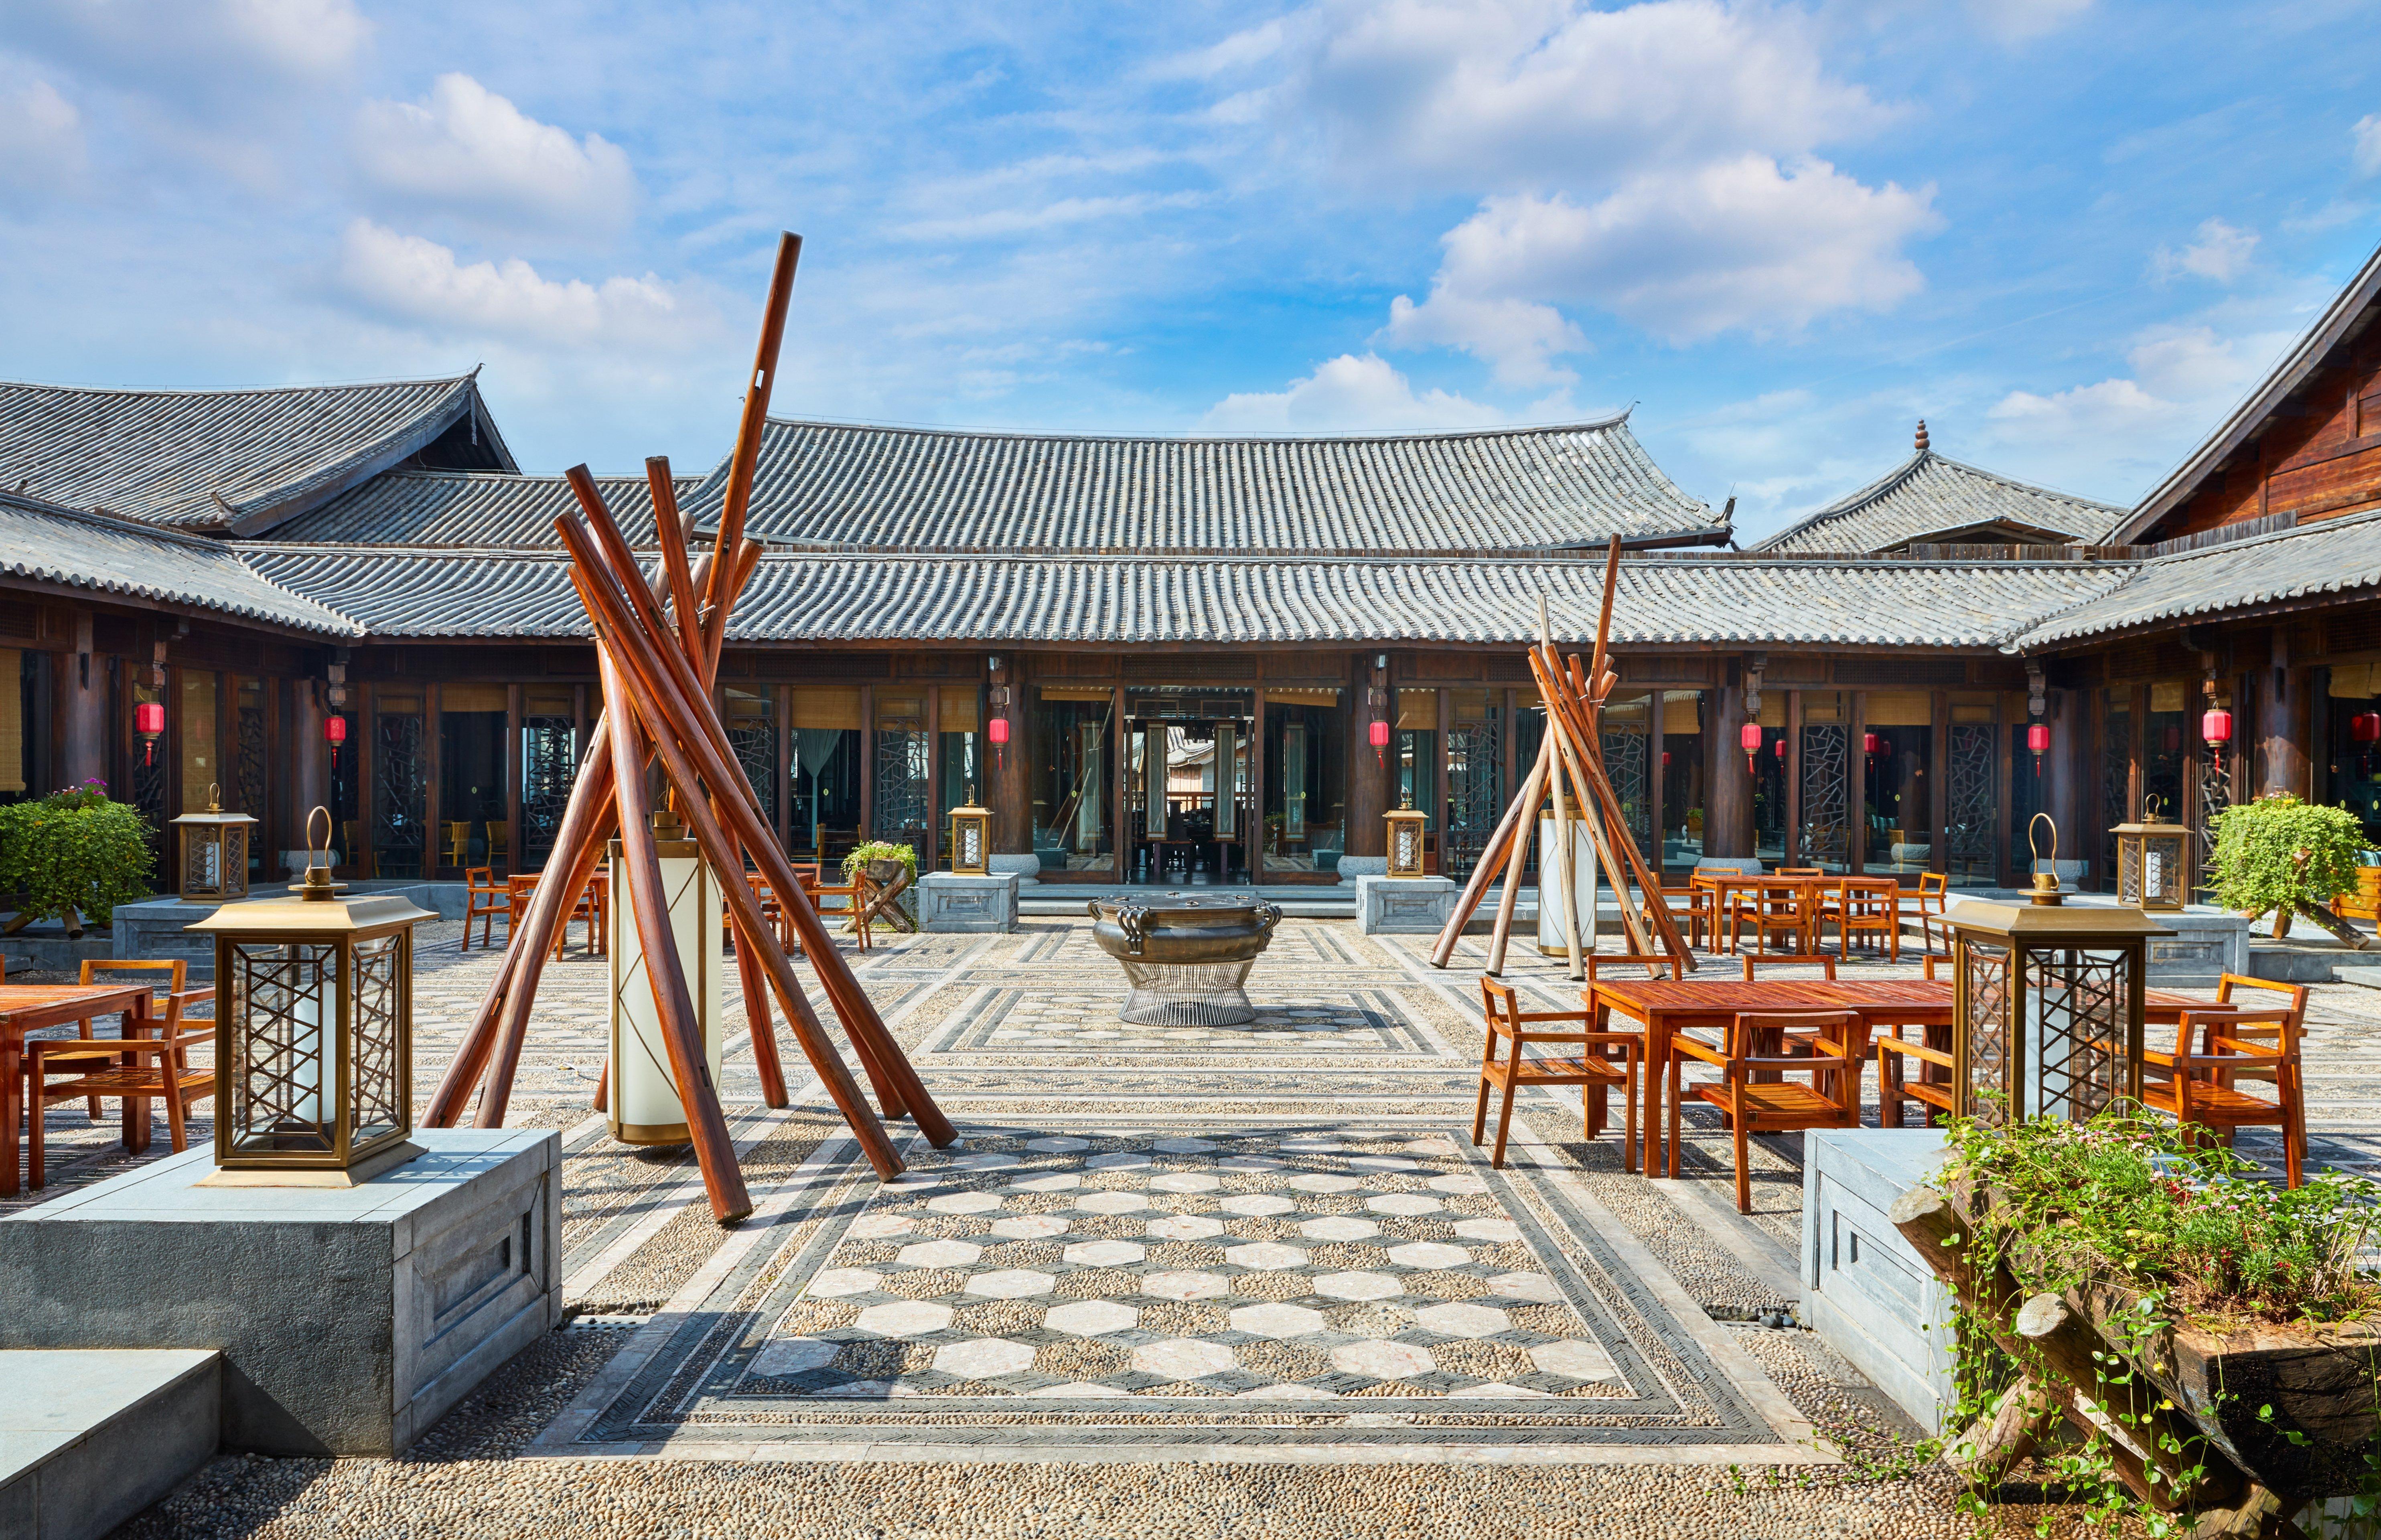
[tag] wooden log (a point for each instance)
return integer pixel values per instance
(1512, 832)
(1995, 1442)
(1533, 794)
(1599, 809)
(744, 460)
(1666, 926)
(715, 1148)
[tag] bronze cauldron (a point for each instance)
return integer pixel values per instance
(1185, 955)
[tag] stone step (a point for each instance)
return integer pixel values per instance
(90, 1437)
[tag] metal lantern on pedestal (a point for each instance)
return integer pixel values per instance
(972, 838)
(2153, 861)
(2047, 1006)
(644, 1106)
(313, 1032)
(215, 853)
(149, 721)
(1406, 839)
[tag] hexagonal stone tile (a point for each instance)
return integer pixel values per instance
(1429, 1146)
(1403, 1203)
(1383, 1360)
(1103, 1253)
(1284, 1393)
(1079, 1387)
(1277, 1320)
(1057, 1145)
(1184, 1146)
(1312, 1146)
(1428, 1253)
(1269, 1255)
(938, 1253)
(877, 1226)
(1358, 1285)
(1064, 1181)
(1384, 1163)
(907, 1318)
(983, 1357)
(1526, 1286)
(1112, 1202)
(1029, 1227)
(1090, 1317)
(836, 1282)
(1010, 1283)
(1576, 1358)
(791, 1355)
(1338, 1226)
(1182, 1358)
(1185, 1285)
(1256, 1206)
(1460, 1182)
(1463, 1320)
(1250, 1162)
(1502, 1391)
(1185, 1181)
(1488, 1230)
(1318, 1183)
(963, 1203)
(1185, 1227)
(1117, 1160)
(987, 1162)
(863, 1390)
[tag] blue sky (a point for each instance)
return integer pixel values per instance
(2067, 233)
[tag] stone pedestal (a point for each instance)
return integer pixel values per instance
(957, 901)
(154, 927)
(349, 1319)
(1866, 1293)
(1404, 906)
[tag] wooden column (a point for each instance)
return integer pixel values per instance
(781, 714)
(1856, 751)
(1256, 830)
(308, 756)
(1368, 775)
(1120, 788)
(1789, 847)
(2067, 713)
(1727, 811)
(1445, 699)
(1938, 792)
(512, 759)
(933, 852)
(434, 775)
(364, 858)
(1011, 798)
(2284, 722)
(867, 762)
(79, 715)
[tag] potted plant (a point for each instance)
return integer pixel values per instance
(73, 854)
(2289, 857)
(893, 869)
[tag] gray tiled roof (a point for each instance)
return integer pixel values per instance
(220, 460)
(2337, 555)
(1931, 496)
(483, 509)
(822, 486)
(55, 545)
(816, 598)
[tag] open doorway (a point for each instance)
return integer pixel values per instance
(1188, 785)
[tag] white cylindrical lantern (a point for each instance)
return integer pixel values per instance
(644, 1106)
(1554, 913)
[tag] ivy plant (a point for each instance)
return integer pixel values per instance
(74, 854)
(2287, 858)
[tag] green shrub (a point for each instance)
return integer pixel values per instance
(74, 849)
(878, 850)
(2279, 853)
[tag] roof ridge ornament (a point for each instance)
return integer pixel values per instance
(1921, 436)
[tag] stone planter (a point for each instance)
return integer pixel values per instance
(1185, 956)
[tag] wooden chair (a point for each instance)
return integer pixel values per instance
(1756, 960)
(590, 908)
(1606, 1059)
(92, 1068)
(1893, 1060)
(1787, 909)
(174, 972)
(500, 843)
(1933, 898)
(848, 892)
(1862, 906)
(459, 843)
(480, 883)
(1678, 966)
(1800, 872)
(1755, 1105)
(1697, 904)
(2199, 1090)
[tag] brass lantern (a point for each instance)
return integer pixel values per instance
(2153, 861)
(1406, 839)
(2047, 1005)
(972, 838)
(313, 1032)
(214, 852)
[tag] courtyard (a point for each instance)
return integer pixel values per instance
(1172, 1282)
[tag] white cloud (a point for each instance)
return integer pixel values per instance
(1056, 213)
(2183, 378)
(421, 281)
(468, 150)
(2221, 252)
(194, 46)
(1348, 394)
(2020, 20)
(1736, 244)
(2366, 136)
(41, 135)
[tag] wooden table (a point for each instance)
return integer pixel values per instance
(1664, 1009)
(28, 1007)
(1719, 885)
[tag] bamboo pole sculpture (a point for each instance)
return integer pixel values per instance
(658, 655)
(1570, 771)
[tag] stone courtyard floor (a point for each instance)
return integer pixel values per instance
(1250, 1281)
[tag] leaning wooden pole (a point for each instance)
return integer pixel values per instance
(743, 463)
(1533, 792)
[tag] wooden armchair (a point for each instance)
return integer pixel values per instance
(500, 842)
(1697, 904)
(1753, 962)
(1933, 898)
(1757, 1105)
(172, 973)
(1862, 906)
(2200, 1090)
(458, 842)
(1606, 1059)
(589, 908)
(62, 1070)
(1657, 960)
(1789, 908)
(483, 899)
(1894, 1086)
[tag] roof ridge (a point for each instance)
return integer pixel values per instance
(448, 379)
(1616, 419)
(2034, 488)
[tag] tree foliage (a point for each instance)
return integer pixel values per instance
(74, 847)
(2280, 853)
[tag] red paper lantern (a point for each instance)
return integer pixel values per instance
(2216, 726)
(149, 721)
(2173, 739)
(2037, 738)
(1380, 731)
(999, 732)
(1749, 736)
(2365, 728)
(1665, 759)
(1780, 747)
(335, 732)
(1872, 743)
